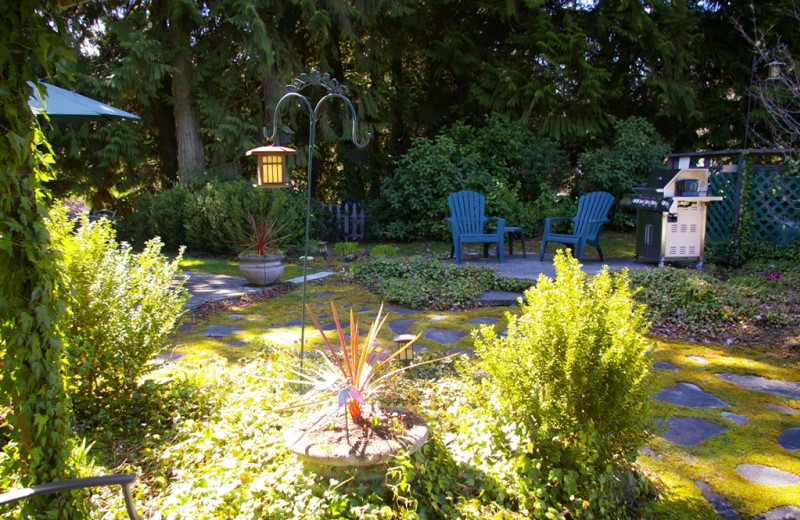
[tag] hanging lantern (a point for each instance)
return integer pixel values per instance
(272, 172)
(775, 69)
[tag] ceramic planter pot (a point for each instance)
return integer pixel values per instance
(261, 270)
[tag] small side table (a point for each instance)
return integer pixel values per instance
(511, 230)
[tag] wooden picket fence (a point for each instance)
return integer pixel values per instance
(349, 220)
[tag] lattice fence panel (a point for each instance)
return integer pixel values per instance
(719, 216)
(774, 206)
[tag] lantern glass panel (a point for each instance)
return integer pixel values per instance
(271, 170)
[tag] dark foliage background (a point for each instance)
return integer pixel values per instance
(205, 77)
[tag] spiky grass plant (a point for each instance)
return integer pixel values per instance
(351, 372)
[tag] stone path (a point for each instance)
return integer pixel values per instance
(677, 429)
(693, 431)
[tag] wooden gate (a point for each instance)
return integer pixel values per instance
(350, 221)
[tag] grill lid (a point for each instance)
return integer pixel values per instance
(657, 181)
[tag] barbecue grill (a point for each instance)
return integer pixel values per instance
(671, 215)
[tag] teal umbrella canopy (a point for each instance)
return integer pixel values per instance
(65, 106)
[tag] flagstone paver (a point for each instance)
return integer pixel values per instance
(784, 409)
(219, 331)
(171, 356)
(781, 513)
(789, 439)
(665, 365)
(401, 326)
(240, 343)
(762, 384)
(311, 276)
(721, 504)
(766, 475)
(690, 431)
(498, 298)
(483, 321)
(400, 310)
(735, 417)
(443, 336)
(361, 334)
(687, 394)
(699, 359)
(205, 287)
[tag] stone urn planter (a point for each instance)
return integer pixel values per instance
(261, 270)
(333, 446)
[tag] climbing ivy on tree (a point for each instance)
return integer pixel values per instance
(32, 383)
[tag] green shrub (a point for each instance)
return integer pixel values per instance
(218, 214)
(121, 308)
(637, 149)
(683, 297)
(502, 160)
(423, 283)
(567, 390)
(210, 218)
(162, 215)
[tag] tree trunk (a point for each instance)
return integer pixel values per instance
(191, 158)
(164, 120)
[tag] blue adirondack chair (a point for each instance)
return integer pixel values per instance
(592, 213)
(468, 224)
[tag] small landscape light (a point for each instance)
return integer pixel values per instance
(406, 352)
(322, 248)
(272, 172)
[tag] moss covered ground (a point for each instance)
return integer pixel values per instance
(675, 469)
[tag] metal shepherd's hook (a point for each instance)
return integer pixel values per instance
(334, 90)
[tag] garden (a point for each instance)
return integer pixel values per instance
(549, 408)
(544, 411)
(379, 386)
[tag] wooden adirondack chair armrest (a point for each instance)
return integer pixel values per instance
(125, 480)
(548, 223)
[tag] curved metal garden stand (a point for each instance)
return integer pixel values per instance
(334, 91)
